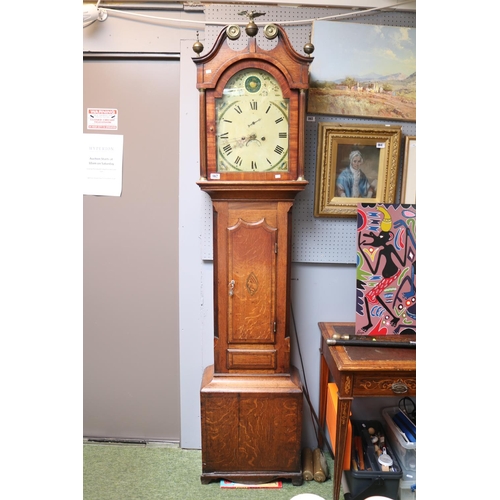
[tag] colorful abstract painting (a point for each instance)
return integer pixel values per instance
(386, 274)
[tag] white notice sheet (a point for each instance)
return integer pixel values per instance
(102, 164)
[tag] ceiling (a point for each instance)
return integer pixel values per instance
(405, 5)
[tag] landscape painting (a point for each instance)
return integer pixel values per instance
(363, 70)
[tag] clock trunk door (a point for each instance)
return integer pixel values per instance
(252, 298)
(251, 315)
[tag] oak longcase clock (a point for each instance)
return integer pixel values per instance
(252, 112)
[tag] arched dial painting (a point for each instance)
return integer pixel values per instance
(252, 124)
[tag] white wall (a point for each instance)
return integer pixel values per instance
(195, 276)
(320, 292)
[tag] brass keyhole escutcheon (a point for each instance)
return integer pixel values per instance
(399, 387)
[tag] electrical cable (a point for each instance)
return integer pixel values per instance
(224, 23)
(306, 389)
(314, 416)
(408, 406)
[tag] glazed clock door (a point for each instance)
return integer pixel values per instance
(252, 124)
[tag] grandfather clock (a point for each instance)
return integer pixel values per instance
(252, 112)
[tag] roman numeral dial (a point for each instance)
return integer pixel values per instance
(252, 124)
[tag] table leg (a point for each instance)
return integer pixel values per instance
(344, 410)
(323, 395)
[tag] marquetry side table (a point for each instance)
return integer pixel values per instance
(360, 372)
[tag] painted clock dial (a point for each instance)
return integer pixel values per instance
(252, 124)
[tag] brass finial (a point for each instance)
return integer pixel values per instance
(309, 47)
(251, 28)
(198, 46)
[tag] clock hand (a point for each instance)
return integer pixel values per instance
(253, 123)
(238, 142)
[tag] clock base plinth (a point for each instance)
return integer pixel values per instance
(251, 427)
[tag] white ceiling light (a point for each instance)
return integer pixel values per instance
(92, 13)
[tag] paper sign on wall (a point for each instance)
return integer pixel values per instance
(102, 119)
(102, 164)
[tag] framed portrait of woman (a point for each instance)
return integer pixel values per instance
(355, 164)
(356, 174)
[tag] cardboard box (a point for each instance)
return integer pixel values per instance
(331, 423)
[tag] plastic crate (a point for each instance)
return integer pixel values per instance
(408, 481)
(407, 490)
(362, 484)
(406, 451)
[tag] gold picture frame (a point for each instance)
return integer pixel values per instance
(409, 181)
(340, 181)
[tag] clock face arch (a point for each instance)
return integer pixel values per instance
(252, 124)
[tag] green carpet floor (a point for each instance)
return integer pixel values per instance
(151, 472)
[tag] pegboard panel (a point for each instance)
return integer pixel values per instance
(315, 240)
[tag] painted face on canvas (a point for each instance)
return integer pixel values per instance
(356, 162)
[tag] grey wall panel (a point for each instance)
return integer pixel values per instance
(130, 257)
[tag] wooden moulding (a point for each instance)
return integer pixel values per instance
(268, 383)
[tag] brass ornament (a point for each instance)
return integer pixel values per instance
(198, 46)
(251, 28)
(270, 31)
(309, 47)
(233, 32)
